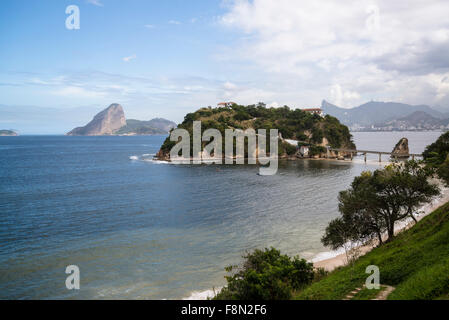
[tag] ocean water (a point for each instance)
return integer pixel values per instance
(140, 229)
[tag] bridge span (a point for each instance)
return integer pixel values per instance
(380, 153)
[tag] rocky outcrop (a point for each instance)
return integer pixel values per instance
(401, 150)
(107, 122)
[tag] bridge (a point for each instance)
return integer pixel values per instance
(380, 153)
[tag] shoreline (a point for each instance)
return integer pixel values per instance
(339, 257)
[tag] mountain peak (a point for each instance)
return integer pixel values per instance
(104, 123)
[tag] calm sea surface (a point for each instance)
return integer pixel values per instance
(146, 230)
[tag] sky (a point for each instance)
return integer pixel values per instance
(167, 58)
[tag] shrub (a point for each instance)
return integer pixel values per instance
(266, 275)
(241, 116)
(436, 156)
(288, 148)
(314, 150)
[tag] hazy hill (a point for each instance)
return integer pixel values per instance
(4, 133)
(154, 126)
(420, 118)
(373, 112)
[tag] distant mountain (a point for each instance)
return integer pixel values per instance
(112, 121)
(107, 122)
(418, 120)
(372, 113)
(154, 126)
(4, 133)
(420, 117)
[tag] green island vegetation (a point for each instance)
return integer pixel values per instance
(309, 129)
(436, 156)
(7, 133)
(414, 261)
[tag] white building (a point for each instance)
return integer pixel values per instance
(225, 104)
(304, 151)
(317, 111)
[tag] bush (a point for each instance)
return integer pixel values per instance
(241, 116)
(437, 152)
(288, 148)
(266, 275)
(316, 150)
(436, 156)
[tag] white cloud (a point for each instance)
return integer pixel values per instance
(174, 22)
(97, 3)
(128, 59)
(79, 92)
(349, 51)
(149, 26)
(344, 98)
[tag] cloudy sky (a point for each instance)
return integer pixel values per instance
(166, 58)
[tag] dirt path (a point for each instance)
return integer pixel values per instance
(384, 293)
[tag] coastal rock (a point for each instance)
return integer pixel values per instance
(401, 149)
(104, 123)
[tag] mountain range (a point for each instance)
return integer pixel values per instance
(388, 116)
(112, 121)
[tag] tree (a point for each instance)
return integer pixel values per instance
(436, 157)
(443, 171)
(377, 200)
(266, 275)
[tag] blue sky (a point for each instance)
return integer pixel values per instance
(167, 58)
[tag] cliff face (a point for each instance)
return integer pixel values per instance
(104, 123)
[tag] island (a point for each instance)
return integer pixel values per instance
(112, 121)
(8, 133)
(302, 133)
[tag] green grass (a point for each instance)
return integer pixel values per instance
(416, 262)
(367, 294)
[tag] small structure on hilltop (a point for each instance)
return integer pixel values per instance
(317, 111)
(226, 104)
(401, 150)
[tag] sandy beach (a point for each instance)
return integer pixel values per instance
(340, 258)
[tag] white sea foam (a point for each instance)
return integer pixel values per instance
(202, 295)
(133, 158)
(157, 161)
(327, 255)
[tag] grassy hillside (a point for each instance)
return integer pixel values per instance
(292, 124)
(416, 263)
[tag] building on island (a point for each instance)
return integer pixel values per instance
(225, 104)
(304, 151)
(317, 111)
